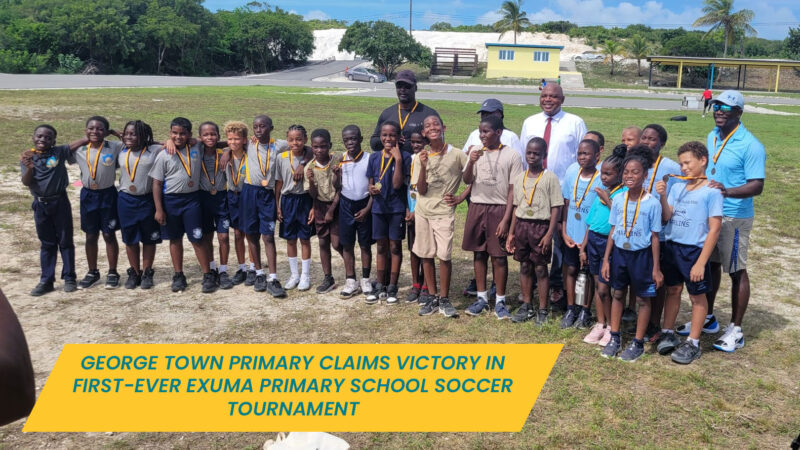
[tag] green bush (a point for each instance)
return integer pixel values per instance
(69, 64)
(20, 61)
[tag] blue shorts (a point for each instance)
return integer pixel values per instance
(215, 212)
(183, 216)
(349, 227)
(678, 260)
(633, 268)
(572, 256)
(234, 211)
(392, 226)
(137, 219)
(595, 250)
(295, 209)
(257, 211)
(99, 210)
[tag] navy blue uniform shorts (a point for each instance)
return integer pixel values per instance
(633, 268)
(137, 219)
(234, 210)
(295, 209)
(215, 212)
(183, 216)
(677, 262)
(349, 227)
(572, 256)
(99, 210)
(392, 226)
(595, 250)
(257, 210)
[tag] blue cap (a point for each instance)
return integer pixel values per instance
(730, 98)
(491, 105)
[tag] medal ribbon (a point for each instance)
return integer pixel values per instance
(653, 178)
(260, 163)
(291, 160)
(135, 164)
(93, 167)
(383, 171)
(345, 161)
(530, 198)
(237, 174)
(635, 214)
(575, 189)
(216, 165)
(325, 167)
(681, 177)
(716, 155)
(611, 193)
(400, 118)
(187, 168)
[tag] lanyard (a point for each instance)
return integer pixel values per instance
(530, 198)
(716, 155)
(237, 174)
(383, 170)
(635, 214)
(345, 161)
(575, 189)
(260, 163)
(187, 168)
(132, 175)
(216, 165)
(611, 193)
(400, 118)
(653, 178)
(93, 167)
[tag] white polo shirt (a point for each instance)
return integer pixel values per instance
(566, 132)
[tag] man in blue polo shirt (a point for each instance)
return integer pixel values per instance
(736, 168)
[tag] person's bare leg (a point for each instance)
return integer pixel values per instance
(201, 252)
(542, 284)
(396, 250)
(430, 277)
(716, 280)
(176, 254)
(112, 250)
(526, 280)
(148, 255)
(740, 296)
(238, 243)
(445, 271)
(91, 251)
(699, 312)
(133, 257)
(672, 305)
(644, 317)
(479, 264)
(254, 250)
(325, 254)
(272, 252)
(617, 305)
(224, 248)
(500, 274)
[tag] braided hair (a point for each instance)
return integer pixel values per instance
(143, 132)
(641, 153)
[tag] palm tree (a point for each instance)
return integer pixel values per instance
(719, 15)
(513, 18)
(638, 48)
(611, 49)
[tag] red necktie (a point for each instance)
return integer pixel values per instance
(547, 138)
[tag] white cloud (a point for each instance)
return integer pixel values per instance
(316, 14)
(489, 17)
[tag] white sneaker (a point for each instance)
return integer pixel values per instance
(350, 288)
(366, 286)
(291, 283)
(305, 283)
(731, 340)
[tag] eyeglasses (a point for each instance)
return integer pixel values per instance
(724, 108)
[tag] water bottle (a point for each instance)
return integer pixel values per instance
(582, 287)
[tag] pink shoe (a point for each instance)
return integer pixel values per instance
(595, 334)
(606, 337)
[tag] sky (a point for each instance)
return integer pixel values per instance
(772, 17)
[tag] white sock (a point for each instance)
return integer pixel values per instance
(243, 267)
(259, 272)
(212, 264)
(482, 295)
(665, 330)
(695, 342)
(708, 316)
(737, 329)
(252, 266)
(272, 276)
(500, 298)
(293, 266)
(306, 267)
(223, 268)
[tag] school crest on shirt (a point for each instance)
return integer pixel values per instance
(193, 154)
(107, 159)
(51, 162)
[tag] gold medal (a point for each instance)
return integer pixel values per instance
(94, 186)
(190, 183)
(529, 213)
(414, 195)
(213, 192)
(132, 188)
(626, 246)
(264, 182)
(577, 216)
(577, 201)
(378, 185)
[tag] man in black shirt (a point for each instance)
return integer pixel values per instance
(407, 112)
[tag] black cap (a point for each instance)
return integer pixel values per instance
(491, 105)
(406, 76)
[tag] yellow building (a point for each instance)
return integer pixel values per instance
(522, 61)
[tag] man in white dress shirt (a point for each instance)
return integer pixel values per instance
(493, 107)
(563, 132)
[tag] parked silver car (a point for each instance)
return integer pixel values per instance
(589, 56)
(362, 74)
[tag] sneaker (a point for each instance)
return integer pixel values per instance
(304, 284)
(632, 353)
(260, 284)
(523, 314)
(42, 288)
(541, 317)
(667, 343)
(446, 308)
(472, 288)
(569, 318)
(92, 277)
(501, 311)
(70, 286)
(328, 284)
(430, 307)
(366, 286)
(584, 319)
(291, 283)
(391, 295)
(239, 277)
(423, 296)
(250, 278)
(350, 288)
(112, 280)
(479, 307)
(147, 278)
(606, 337)
(224, 281)
(178, 282)
(611, 349)
(628, 315)
(595, 334)
(492, 293)
(134, 279)
(375, 295)
(730, 341)
(275, 289)
(652, 333)
(209, 283)
(686, 353)
(711, 326)
(413, 294)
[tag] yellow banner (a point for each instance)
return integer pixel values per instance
(293, 387)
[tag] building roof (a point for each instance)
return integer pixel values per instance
(489, 44)
(702, 61)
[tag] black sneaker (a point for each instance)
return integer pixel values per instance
(424, 297)
(413, 294)
(430, 307)
(328, 284)
(569, 318)
(471, 289)
(686, 353)
(584, 320)
(446, 308)
(628, 315)
(611, 349)
(632, 353)
(178, 282)
(209, 283)
(275, 289)
(250, 279)
(239, 277)
(377, 293)
(224, 281)
(391, 294)
(70, 286)
(541, 317)
(42, 288)
(92, 277)
(112, 279)
(523, 314)
(260, 284)
(667, 343)
(134, 279)
(147, 278)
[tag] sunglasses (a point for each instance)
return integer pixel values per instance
(723, 108)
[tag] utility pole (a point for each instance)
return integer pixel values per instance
(409, 18)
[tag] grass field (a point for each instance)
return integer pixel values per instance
(746, 399)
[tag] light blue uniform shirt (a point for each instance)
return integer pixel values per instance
(576, 228)
(742, 159)
(666, 167)
(597, 220)
(647, 223)
(690, 213)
